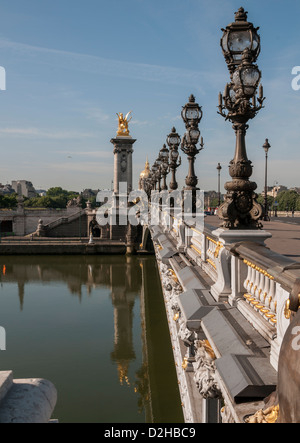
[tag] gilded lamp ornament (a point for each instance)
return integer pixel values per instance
(239, 104)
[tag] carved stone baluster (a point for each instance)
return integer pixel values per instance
(248, 279)
(261, 287)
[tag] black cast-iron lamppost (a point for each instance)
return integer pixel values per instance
(266, 147)
(164, 167)
(154, 170)
(158, 162)
(191, 115)
(219, 168)
(239, 104)
(173, 141)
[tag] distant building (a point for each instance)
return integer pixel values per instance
(209, 196)
(89, 193)
(6, 189)
(295, 189)
(41, 192)
(273, 192)
(24, 187)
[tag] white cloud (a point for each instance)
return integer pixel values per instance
(104, 66)
(40, 133)
(97, 114)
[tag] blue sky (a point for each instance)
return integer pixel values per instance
(72, 65)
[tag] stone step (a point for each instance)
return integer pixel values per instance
(26, 401)
(6, 382)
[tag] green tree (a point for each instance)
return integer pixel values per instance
(261, 200)
(288, 200)
(8, 201)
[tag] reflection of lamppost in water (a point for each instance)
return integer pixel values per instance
(123, 353)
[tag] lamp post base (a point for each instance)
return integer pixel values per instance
(241, 211)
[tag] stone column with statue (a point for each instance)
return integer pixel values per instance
(123, 150)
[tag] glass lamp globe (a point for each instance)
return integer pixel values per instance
(248, 78)
(158, 162)
(154, 168)
(173, 139)
(191, 112)
(237, 37)
(193, 135)
(174, 154)
(164, 153)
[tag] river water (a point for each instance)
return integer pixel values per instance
(95, 327)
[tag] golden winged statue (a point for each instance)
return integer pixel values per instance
(123, 130)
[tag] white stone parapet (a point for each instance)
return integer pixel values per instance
(26, 401)
(229, 300)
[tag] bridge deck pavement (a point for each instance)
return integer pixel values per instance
(285, 235)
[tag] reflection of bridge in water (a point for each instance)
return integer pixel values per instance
(127, 278)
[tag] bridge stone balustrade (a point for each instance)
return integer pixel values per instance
(228, 301)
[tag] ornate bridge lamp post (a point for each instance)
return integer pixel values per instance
(173, 141)
(164, 167)
(148, 185)
(154, 170)
(158, 162)
(239, 104)
(191, 115)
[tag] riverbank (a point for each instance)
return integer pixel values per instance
(67, 246)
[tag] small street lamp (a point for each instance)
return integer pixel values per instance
(173, 141)
(266, 147)
(219, 168)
